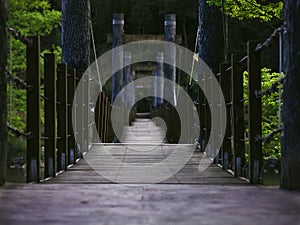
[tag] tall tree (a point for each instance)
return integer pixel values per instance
(211, 37)
(76, 34)
(290, 177)
(3, 84)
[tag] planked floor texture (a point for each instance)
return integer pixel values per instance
(114, 184)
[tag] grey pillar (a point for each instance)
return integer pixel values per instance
(160, 73)
(170, 56)
(154, 90)
(126, 76)
(117, 55)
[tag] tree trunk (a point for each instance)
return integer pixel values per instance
(210, 41)
(3, 109)
(76, 54)
(76, 34)
(211, 51)
(290, 164)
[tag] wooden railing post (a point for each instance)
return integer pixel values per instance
(105, 120)
(85, 114)
(33, 110)
(50, 114)
(219, 154)
(74, 118)
(108, 139)
(255, 112)
(238, 122)
(97, 116)
(201, 110)
(71, 93)
(225, 84)
(102, 111)
(62, 118)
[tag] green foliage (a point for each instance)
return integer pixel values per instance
(31, 18)
(16, 147)
(263, 10)
(270, 110)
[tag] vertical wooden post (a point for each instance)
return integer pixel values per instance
(33, 110)
(71, 84)
(201, 109)
(254, 112)
(126, 76)
(225, 84)
(105, 119)
(207, 115)
(86, 108)
(117, 56)
(50, 114)
(109, 126)
(238, 121)
(220, 113)
(102, 111)
(210, 135)
(74, 117)
(62, 118)
(97, 116)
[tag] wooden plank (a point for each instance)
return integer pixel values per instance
(254, 112)
(50, 114)
(82, 173)
(62, 118)
(238, 121)
(127, 38)
(33, 110)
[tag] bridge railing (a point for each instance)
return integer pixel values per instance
(51, 144)
(244, 121)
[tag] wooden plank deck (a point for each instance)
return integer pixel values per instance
(190, 197)
(145, 146)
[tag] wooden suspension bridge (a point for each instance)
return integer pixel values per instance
(67, 189)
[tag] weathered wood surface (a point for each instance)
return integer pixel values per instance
(161, 204)
(140, 139)
(81, 196)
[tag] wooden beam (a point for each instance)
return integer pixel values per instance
(50, 114)
(62, 118)
(127, 38)
(238, 121)
(33, 110)
(255, 113)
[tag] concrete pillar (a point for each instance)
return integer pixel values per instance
(154, 90)
(160, 73)
(170, 56)
(117, 55)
